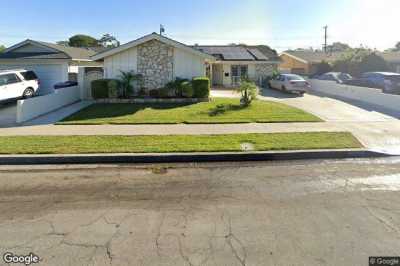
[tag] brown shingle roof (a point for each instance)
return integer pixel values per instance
(73, 52)
(61, 52)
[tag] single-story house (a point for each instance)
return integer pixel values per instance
(305, 62)
(393, 59)
(51, 62)
(160, 59)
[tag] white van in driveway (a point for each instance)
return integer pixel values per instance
(15, 84)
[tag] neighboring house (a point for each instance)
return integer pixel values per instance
(393, 59)
(305, 62)
(160, 59)
(51, 62)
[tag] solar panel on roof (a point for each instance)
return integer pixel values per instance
(228, 52)
(257, 54)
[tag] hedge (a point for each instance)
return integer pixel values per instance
(187, 89)
(201, 87)
(101, 88)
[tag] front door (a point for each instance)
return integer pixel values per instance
(90, 75)
(238, 72)
(217, 75)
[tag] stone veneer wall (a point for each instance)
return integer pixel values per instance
(155, 63)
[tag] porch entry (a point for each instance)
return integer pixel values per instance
(238, 72)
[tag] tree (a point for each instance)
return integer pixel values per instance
(2, 48)
(323, 67)
(109, 41)
(81, 40)
(373, 62)
(360, 60)
(338, 47)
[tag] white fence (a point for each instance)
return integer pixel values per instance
(363, 94)
(37, 106)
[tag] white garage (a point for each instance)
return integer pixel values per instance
(49, 74)
(52, 63)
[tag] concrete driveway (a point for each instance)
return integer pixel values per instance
(327, 108)
(286, 213)
(8, 114)
(330, 109)
(377, 128)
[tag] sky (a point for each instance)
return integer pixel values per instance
(280, 24)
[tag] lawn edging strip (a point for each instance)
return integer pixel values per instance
(247, 142)
(187, 157)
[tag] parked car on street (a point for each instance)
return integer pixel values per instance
(338, 77)
(290, 83)
(15, 84)
(387, 81)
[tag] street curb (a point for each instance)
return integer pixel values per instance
(186, 157)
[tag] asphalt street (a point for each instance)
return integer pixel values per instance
(321, 212)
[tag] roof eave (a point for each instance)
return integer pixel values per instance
(147, 38)
(249, 61)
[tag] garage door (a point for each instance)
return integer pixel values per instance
(48, 74)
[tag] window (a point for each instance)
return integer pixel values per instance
(243, 71)
(344, 76)
(238, 72)
(9, 79)
(235, 71)
(72, 76)
(294, 77)
(3, 80)
(29, 75)
(330, 77)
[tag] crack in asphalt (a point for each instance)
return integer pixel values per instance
(231, 236)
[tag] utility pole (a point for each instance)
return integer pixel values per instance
(326, 39)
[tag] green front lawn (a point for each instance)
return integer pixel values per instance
(219, 110)
(176, 143)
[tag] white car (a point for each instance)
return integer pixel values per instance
(16, 84)
(290, 83)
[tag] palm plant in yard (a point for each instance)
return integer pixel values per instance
(248, 90)
(127, 78)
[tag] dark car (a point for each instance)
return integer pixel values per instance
(338, 77)
(386, 81)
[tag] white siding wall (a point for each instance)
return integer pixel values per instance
(252, 71)
(187, 65)
(227, 81)
(125, 61)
